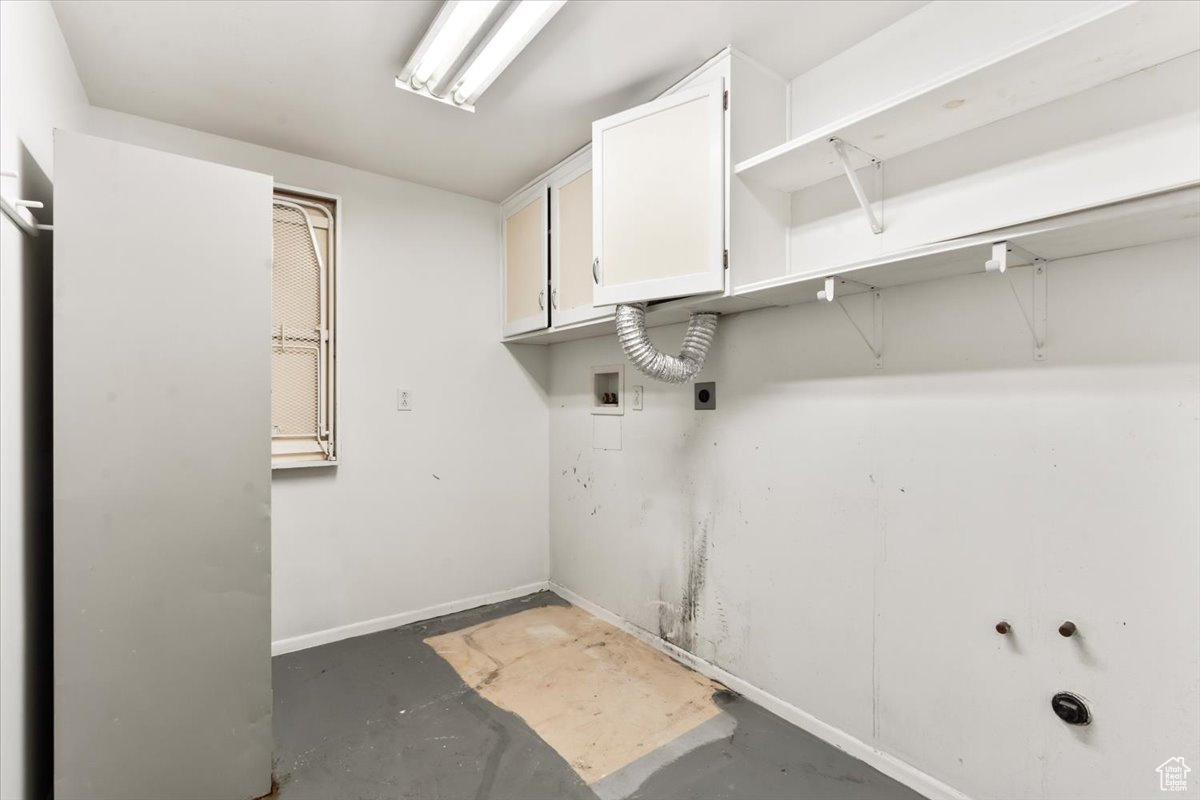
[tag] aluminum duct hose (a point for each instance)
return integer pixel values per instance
(631, 332)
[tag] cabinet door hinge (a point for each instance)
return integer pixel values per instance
(725, 100)
(725, 260)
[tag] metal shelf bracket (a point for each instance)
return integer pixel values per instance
(876, 167)
(1036, 322)
(874, 342)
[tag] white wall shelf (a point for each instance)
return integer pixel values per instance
(1101, 44)
(1156, 218)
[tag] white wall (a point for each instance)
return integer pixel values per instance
(39, 90)
(846, 539)
(448, 501)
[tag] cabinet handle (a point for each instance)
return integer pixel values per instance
(1003, 627)
(596, 271)
(542, 300)
(554, 298)
(1067, 629)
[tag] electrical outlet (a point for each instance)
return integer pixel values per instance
(636, 400)
(404, 400)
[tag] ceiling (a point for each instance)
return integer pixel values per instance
(317, 78)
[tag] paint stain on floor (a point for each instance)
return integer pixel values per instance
(601, 698)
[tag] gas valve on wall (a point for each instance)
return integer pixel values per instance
(1071, 708)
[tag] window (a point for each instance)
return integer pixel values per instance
(304, 330)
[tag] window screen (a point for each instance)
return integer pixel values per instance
(303, 341)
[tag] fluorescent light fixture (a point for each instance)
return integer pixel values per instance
(469, 44)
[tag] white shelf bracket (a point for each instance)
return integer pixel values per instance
(18, 210)
(1036, 322)
(876, 167)
(874, 342)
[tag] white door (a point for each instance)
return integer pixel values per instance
(526, 262)
(571, 243)
(162, 474)
(658, 192)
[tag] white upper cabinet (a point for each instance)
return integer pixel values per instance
(526, 261)
(571, 242)
(669, 220)
(658, 191)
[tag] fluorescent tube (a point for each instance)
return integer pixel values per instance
(456, 26)
(516, 31)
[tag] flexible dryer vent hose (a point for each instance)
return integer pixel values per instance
(631, 332)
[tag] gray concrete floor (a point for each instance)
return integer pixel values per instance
(383, 716)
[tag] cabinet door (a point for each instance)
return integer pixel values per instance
(659, 197)
(571, 277)
(526, 262)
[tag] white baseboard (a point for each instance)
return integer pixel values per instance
(307, 640)
(886, 763)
